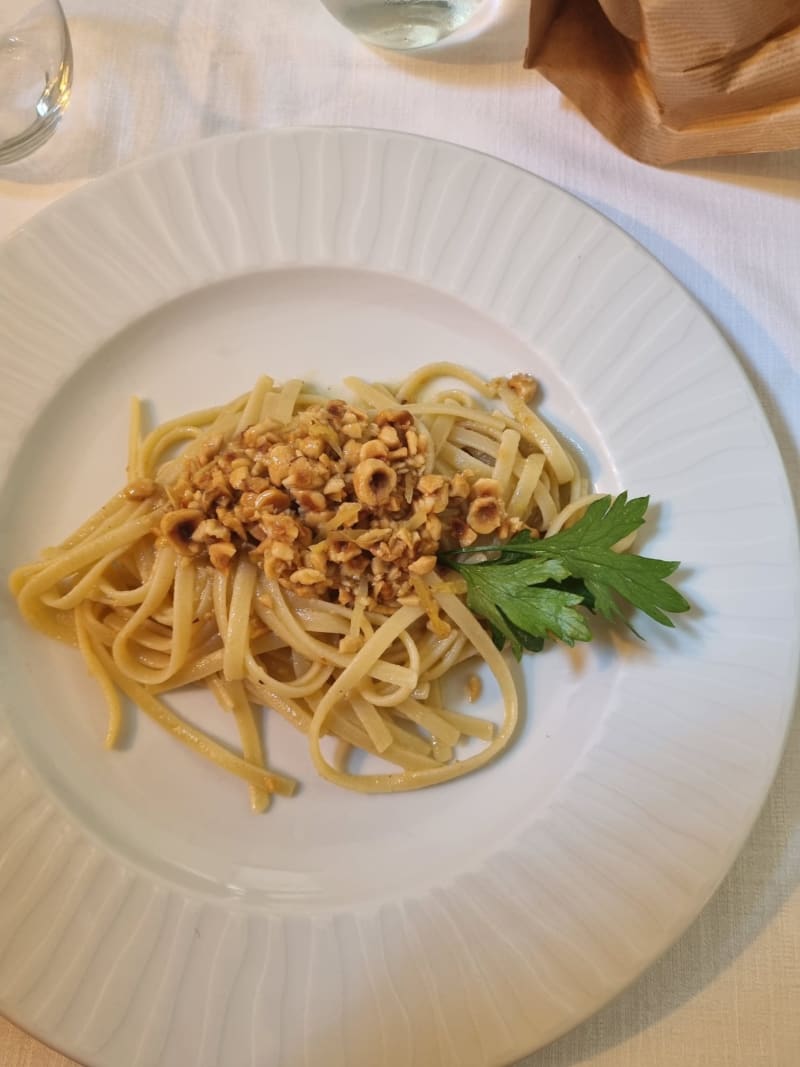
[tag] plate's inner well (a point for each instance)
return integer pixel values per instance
(153, 800)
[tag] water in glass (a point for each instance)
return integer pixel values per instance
(403, 24)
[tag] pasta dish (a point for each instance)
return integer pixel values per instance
(283, 551)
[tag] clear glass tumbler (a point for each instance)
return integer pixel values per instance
(403, 24)
(35, 74)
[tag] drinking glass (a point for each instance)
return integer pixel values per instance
(35, 74)
(403, 24)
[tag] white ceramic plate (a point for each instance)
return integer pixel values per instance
(146, 918)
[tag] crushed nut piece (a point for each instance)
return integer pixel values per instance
(524, 386)
(474, 688)
(179, 527)
(485, 514)
(423, 565)
(374, 482)
(221, 553)
(486, 487)
(373, 449)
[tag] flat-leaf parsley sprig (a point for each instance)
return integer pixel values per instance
(531, 589)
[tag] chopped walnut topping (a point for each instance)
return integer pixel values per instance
(423, 565)
(374, 449)
(460, 485)
(524, 386)
(435, 492)
(336, 504)
(485, 514)
(221, 553)
(374, 482)
(463, 534)
(179, 526)
(486, 487)
(272, 500)
(474, 688)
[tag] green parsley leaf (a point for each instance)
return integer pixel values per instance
(520, 608)
(529, 589)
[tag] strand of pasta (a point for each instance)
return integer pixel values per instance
(236, 634)
(413, 385)
(105, 518)
(84, 587)
(28, 588)
(180, 729)
(171, 574)
(251, 412)
(83, 618)
(232, 697)
(280, 618)
(418, 779)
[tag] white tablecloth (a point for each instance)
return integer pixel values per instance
(150, 74)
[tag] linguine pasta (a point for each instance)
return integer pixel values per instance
(281, 551)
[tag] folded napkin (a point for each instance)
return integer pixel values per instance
(674, 79)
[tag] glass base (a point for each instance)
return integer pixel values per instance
(49, 109)
(402, 25)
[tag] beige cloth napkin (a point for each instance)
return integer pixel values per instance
(674, 79)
